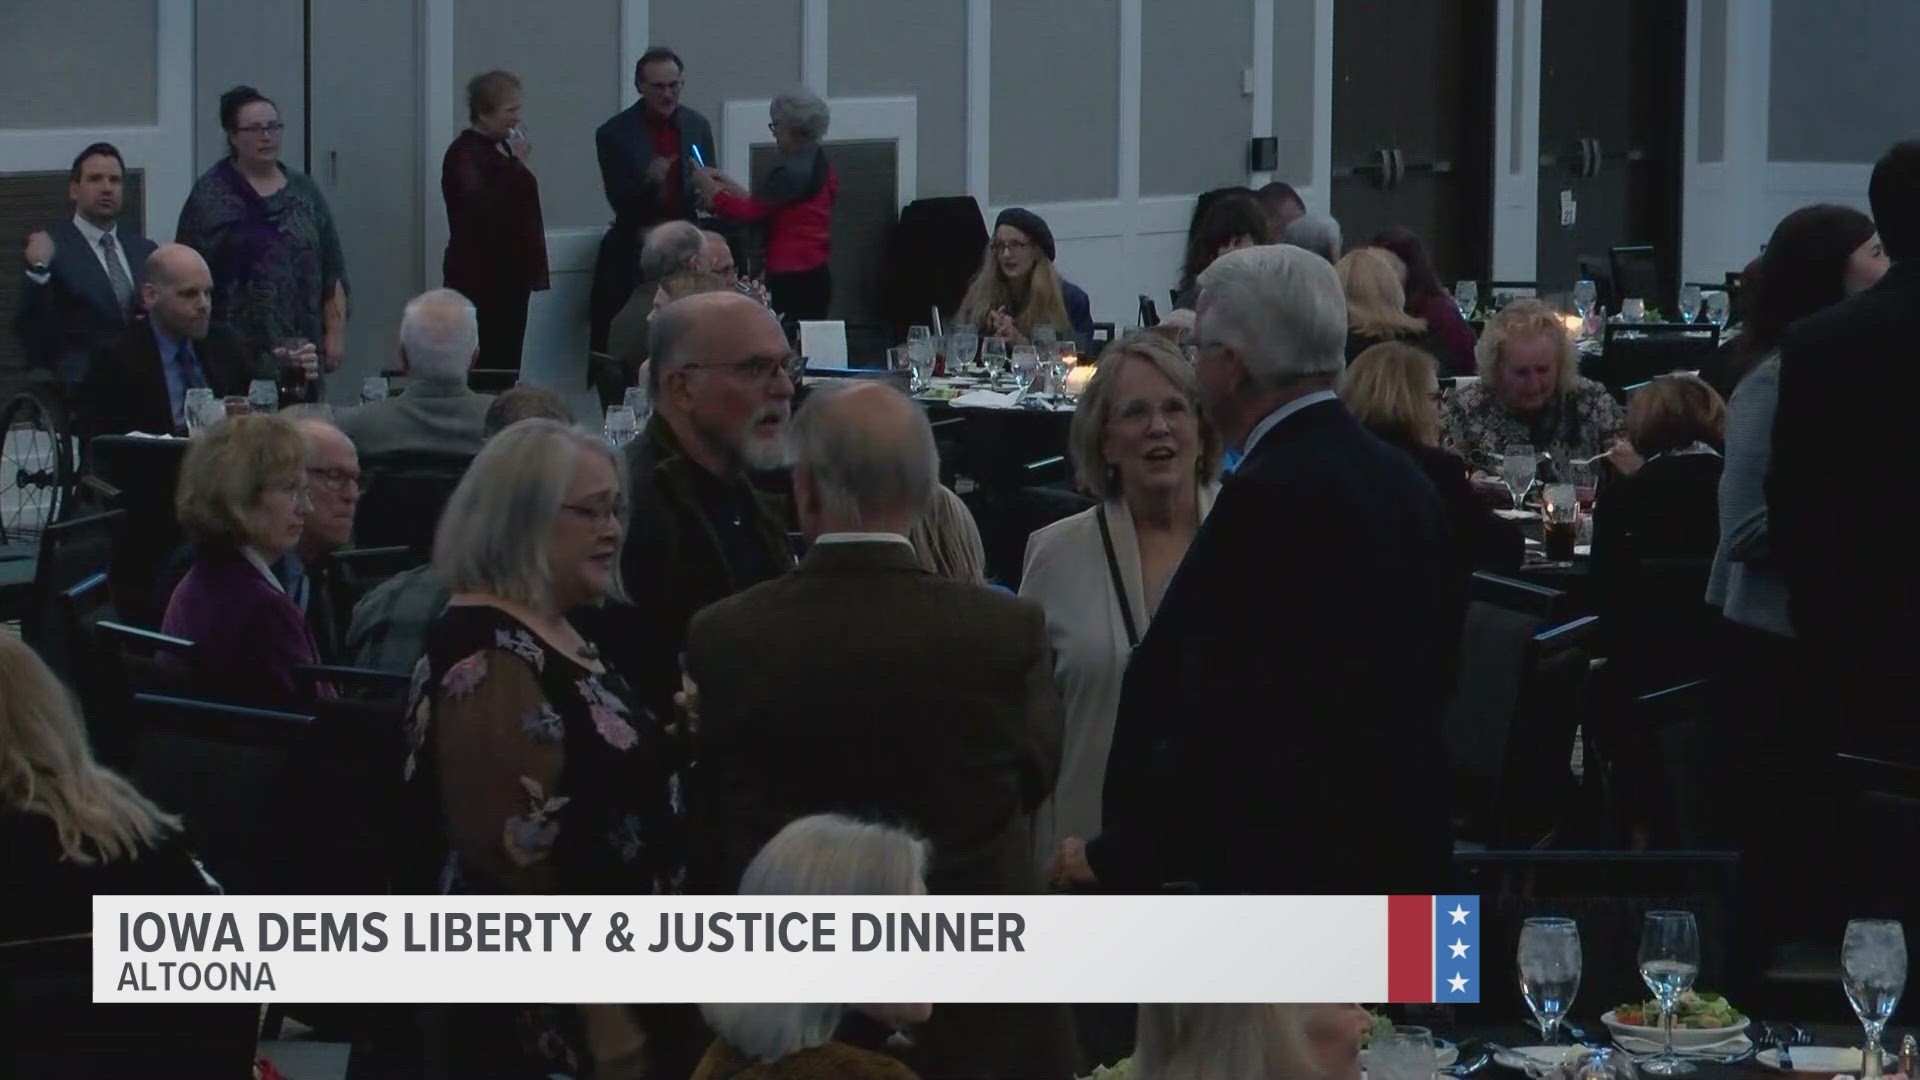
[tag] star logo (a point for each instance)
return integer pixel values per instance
(1457, 984)
(1459, 915)
(1459, 948)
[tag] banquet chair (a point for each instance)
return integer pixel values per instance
(1636, 275)
(1633, 353)
(403, 497)
(69, 589)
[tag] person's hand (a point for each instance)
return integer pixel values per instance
(1069, 865)
(704, 185)
(1003, 327)
(727, 183)
(39, 247)
(304, 359)
(757, 289)
(657, 170)
(1625, 458)
(333, 350)
(519, 145)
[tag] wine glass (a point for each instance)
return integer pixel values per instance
(1026, 361)
(1718, 307)
(921, 352)
(641, 402)
(200, 409)
(962, 347)
(1689, 303)
(621, 426)
(1584, 294)
(263, 396)
(1549, 970)
(1669, 962)
(1466, 297)
(1874, 956)
(372, 389)
(1044, 336)
(1405, 1053)
(919, 333)
(1518, 467)
(993, 355)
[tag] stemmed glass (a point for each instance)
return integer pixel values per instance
(263, 396)
(919, 333)
(1405, 1053)
(1026, 361)
(1718, 307)
(993, 355)
(641, 402)
(962, 347)
(1518, 467)
(1874, 956)
(373, 388)
(1584, 294)
(1669, 962)
(1689, 303)
(1549, 971)
(921, 353)
(621, 427)
(1466, 297)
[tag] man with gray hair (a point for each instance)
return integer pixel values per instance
(438, 413)
(1317, 233)
(1279, 728)
(668, 249)
(814, 696)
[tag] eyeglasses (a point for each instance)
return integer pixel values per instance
(1002, 247)
(599, 512)
(663, 87)
(760, 367)
(338, 480)
(274, 128)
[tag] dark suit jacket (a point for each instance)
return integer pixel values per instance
(75, 314)
(126, 389)
(1841, 492)
(830, 689)
(1279, 727)
(625, 150)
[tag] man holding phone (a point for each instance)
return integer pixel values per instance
(647, 154)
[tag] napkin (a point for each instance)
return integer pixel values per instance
(1638, 1046)
(824, 344)
(984, 399)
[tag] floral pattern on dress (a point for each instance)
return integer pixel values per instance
(1480, 428)
(544, 725)
(625, 838)
(464, 677)
(609, 715)
(529, 837)
(521, 644)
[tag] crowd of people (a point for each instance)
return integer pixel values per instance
(757, 649)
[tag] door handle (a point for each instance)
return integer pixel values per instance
(333, 168)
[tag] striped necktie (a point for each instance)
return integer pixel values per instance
(116, 272)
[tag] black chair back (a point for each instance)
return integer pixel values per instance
(357, 744)
(1149, 315)
(1636, 275)
(404, 496)
(69, 592)
(492, 380)
(1678, 722)
(1634, 353)
(1539, 601)
(145, 472)
(932, 255)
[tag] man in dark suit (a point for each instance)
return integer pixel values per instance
(646, 166)
(83, 275)
(816, 694)
(1840, 495)
(1280, 725)
(140, 381)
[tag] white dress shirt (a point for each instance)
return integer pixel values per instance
(92, 235)
(861, 538)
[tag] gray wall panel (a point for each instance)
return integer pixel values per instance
(918, 47)
(1713, 80)
(257, 42)
(1056, 101)
(1844, 79)
(44, 80)
(1194, 120)
(1293, 90)
(733, 49)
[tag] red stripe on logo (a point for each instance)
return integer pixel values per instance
(1409, 949)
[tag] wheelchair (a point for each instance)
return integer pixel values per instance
(38, 469)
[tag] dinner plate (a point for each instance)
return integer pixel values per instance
(1820, 1059)
(1684, 1038)
(1530, 1059)
(1444, 1054)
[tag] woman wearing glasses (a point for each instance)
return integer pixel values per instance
(1017, 290)
(267, 235)
(795, 201)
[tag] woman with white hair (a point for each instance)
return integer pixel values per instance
(821, 855)
(541, 776)
(796, 203)
(1530, 392)
(1249, 1042)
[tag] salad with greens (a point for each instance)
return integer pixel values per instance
(1690, 1010)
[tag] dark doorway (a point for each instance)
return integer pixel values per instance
(1612, 92)
(1412, 125)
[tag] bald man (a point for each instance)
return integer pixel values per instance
(815, 696)
(140, 382)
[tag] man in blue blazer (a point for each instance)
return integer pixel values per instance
(646, 156)
(83, 275)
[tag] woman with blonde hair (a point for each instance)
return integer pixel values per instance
(1376, 303)
(947, 539)
(1249, 1042)
(1018, 290)
(1393, 391)
(1530, 392)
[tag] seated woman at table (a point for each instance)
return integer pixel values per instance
(1142, 444)
(947, 540)
(1232, 221)
(1376, 305)
(1427, 299)
(1530, 392)
(1017, 289)
(1202, 1042)
(1391, 388)
(821, 855)
(525, 749)
(1666, 503)
(242, 499)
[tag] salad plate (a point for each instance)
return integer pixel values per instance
(1701, 1021)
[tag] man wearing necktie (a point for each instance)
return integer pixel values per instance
(82, 286)
(140, 382)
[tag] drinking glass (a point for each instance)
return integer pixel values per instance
(1466, 297)
(1026, 361)
(920, 370)
(372, 389)
(1874, 956)
(263, 395)
(1044, 336)
(1689, 303)
(962, 347)
(201, 408)
(1583, 479)
(1669, 962)
(235, 405)
(923, 351)
(1549, 971)
(1518, 466)
(919, 333)
(1718, 307)
(1584, 294)
(993, 355)
(897, 357)
(621, 427)
(637, 399)
(1633, 309)
(1405, 1053)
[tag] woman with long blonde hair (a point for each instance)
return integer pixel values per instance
(1017, 289)
(1376, 303)
(1249, 1042)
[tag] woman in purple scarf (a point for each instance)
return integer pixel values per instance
(267, 235)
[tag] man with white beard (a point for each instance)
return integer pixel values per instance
(706, 521)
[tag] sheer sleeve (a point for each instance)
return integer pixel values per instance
(500, 759)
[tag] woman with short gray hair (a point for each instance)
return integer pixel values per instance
(821, 855)
(795, 203)
(541, 776)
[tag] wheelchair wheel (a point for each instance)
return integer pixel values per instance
(36, 466)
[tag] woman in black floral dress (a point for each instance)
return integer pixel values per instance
(525, 753)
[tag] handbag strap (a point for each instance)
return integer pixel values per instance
(1119, 585)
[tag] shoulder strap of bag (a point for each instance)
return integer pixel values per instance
(1119, 585)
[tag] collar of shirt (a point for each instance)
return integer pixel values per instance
(1276, 416)
(260, 563)
(93, 233)
(1695, 449)
(861, 538)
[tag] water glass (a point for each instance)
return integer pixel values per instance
(1549, 971)
(1584, 295)
(201, 409)
(1689, 303)
(1044, 336)
(962, 347)
(1874, 956)
(263, 395)
(1518, 467)
(919, 333)
(1405, 1053)
(1669, 962)
(640, 402)
(1633, 309)
(621, 427)
(1466, 297)
(372, 389)
(235, 405)
(993, 355)
(1719, 307)
(1026, 361)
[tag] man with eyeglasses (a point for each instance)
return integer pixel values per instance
(333, 485)
(646, 156)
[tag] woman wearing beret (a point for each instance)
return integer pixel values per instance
(1018, 290)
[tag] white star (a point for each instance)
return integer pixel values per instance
(1458, 984)
(1459, 949)
(1459, 915)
